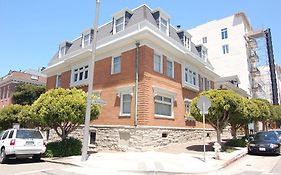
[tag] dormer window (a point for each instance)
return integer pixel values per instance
(162, 20)
(119, 24)
(62, 51)
(63, 48)
(87, 37)
(187, 42)
(120, 20)
(164, 25)
(86, 40)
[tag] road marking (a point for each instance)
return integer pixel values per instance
(35, 171)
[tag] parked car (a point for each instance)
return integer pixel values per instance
(21, 143)
(264, 142)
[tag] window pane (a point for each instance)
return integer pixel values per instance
(86, 74)
(116, 64)
(169, 68)
(163, 109)
(119, 24)
(157, 63)
(167, 99)
(75, 77)
(126, 104)
(81, 76)
(86, 40)
(158, 98)
(163, 26)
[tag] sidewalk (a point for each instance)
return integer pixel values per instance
(174, 159)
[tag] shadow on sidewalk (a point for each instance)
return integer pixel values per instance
(200, 148)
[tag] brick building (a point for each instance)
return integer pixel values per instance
(171, 72)
(9, 82)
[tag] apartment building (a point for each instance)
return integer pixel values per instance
(171, 72)
(263, 86)
(9, 82)
(229, 50)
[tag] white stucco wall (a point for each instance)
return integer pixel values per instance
(236, 61)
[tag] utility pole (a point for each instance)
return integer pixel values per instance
(84, 156)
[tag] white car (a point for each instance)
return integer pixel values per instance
(21, 143)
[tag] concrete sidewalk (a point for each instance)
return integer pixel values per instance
(188, 162)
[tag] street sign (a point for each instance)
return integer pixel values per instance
(204, 103)
(99, 102)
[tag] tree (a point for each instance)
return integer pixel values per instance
(224, 102)
(264, 111)
(9, 115)
(63, 110)
(240, 118)
(276, 114)
(26, 94)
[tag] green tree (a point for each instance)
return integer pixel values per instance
(26, 94)
(247, 113)
(276, 114)
(224, 102)
(264, 111)
(9, 115)
(63, 110)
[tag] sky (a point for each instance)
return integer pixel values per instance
(31, 30)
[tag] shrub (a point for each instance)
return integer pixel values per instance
(236, 143)
(64, 148)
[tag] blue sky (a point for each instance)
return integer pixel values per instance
(31, 30)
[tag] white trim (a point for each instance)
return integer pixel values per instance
(121, 104)
(112, 64)
(161, 62)
(173, 67)
(161, 91)
(127, 89)
(164, 95)
(83, 81)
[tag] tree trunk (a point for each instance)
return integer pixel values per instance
(246, 130)
(218, 136)
(233, 132)
(63, 134)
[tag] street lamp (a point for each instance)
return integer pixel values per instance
(84, 156)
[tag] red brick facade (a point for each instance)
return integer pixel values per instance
(8, 85)
(109, 84)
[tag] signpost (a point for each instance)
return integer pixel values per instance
(99, 102)
(204, 103)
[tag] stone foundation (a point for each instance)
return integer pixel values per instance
(142, 138)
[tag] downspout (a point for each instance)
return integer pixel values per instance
(137, 84)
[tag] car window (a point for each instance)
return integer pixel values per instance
(11, 134)
(5, 135)
(266, 136)
(28, 134)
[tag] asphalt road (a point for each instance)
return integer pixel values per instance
(252, 165)
(28, 167)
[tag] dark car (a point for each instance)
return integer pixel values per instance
(264, 142)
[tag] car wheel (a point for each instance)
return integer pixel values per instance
(3, 156)
(36, 157)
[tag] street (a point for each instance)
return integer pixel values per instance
(27, 167)
(253, 165)
(248, 165)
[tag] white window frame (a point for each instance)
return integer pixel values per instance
(204, 40)
(173, 68)
(113, 71)
(224, 33)
(123, 91)
(161, 24)
(187, 103)
(161, 62)
(122, 23)
(225, 49)
(166, 103)
(62, 51)
(122, 103)
(189, 78)
(58, 80)
(88, 35)
(157, 91)
(81, 68)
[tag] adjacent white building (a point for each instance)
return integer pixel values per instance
(264, 87)
(228, 49)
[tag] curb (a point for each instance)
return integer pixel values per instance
(237, 157)
(59, 162)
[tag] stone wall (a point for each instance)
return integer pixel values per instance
(143, 138)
